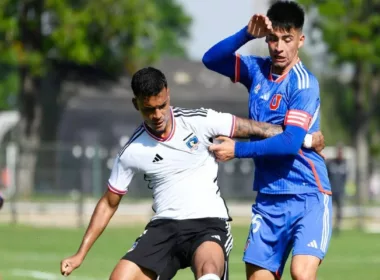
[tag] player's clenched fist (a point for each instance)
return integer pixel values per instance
(259, 26)
(69, 264)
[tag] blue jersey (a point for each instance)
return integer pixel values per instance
(292, 99)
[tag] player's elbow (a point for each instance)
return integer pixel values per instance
(209, 60)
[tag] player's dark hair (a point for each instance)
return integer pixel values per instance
(286, 15)
(148, 81)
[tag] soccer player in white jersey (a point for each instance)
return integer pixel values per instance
(190, 227)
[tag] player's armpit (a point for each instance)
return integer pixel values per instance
(245, 128)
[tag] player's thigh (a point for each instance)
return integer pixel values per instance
(208, 258)
(312, 236)
(269, 242)
(153, 249)
(210, 247)
(127, 270)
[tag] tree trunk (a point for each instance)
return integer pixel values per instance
(29, 22)
(361, 137)
(28, 134)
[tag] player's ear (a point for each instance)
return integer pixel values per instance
(134, 101)
(301, 41)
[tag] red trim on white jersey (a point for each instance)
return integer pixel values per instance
(170, 136)
(114, 190)
(298, 118)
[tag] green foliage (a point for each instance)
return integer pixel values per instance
(9, 84)
(350, 28)
(114, 35)
(111, 34)
(351, 32)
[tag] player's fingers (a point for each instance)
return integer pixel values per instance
(222, 138)
(213, 148)
(63, 267)
(66, 268)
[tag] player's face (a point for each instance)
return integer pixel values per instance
(283, 48)
(155, 110)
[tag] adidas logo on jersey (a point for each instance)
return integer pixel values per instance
(216, 237)
(157, 158)
(313, 244)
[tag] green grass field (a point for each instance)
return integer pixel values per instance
(35, 253)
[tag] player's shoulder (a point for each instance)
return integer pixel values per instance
(302, 78)
(189, 115)
(254, 60)
(137, 137)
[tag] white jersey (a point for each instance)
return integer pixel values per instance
(180, 170)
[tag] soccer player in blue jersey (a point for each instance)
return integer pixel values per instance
(293, 205)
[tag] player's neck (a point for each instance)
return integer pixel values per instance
(165, 134)
(283, 71)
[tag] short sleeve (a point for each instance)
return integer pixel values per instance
(218, 123)
(303, 108)
(120, 178)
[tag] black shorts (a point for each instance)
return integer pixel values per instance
(166, 245)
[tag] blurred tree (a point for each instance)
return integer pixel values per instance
(43, 39)
(351, 32)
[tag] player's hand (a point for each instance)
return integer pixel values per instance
(259, 26)
(225, 150)
(68, 265)
(318, 143)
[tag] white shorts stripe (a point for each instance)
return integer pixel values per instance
(326, 224)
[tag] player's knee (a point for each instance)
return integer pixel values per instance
(300, 273)
(209, 276)
(211, 268)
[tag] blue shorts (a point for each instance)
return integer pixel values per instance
(280, 223)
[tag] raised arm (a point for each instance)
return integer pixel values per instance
(222, 59)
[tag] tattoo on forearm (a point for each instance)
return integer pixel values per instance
(245, 128)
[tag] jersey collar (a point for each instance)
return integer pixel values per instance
(283, 76)
(170, 136)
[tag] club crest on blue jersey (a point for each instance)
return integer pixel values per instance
(193, 143)
(275, 102)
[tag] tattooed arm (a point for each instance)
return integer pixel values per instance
(245, 128)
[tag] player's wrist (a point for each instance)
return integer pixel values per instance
(248, 35)
(308, 141)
